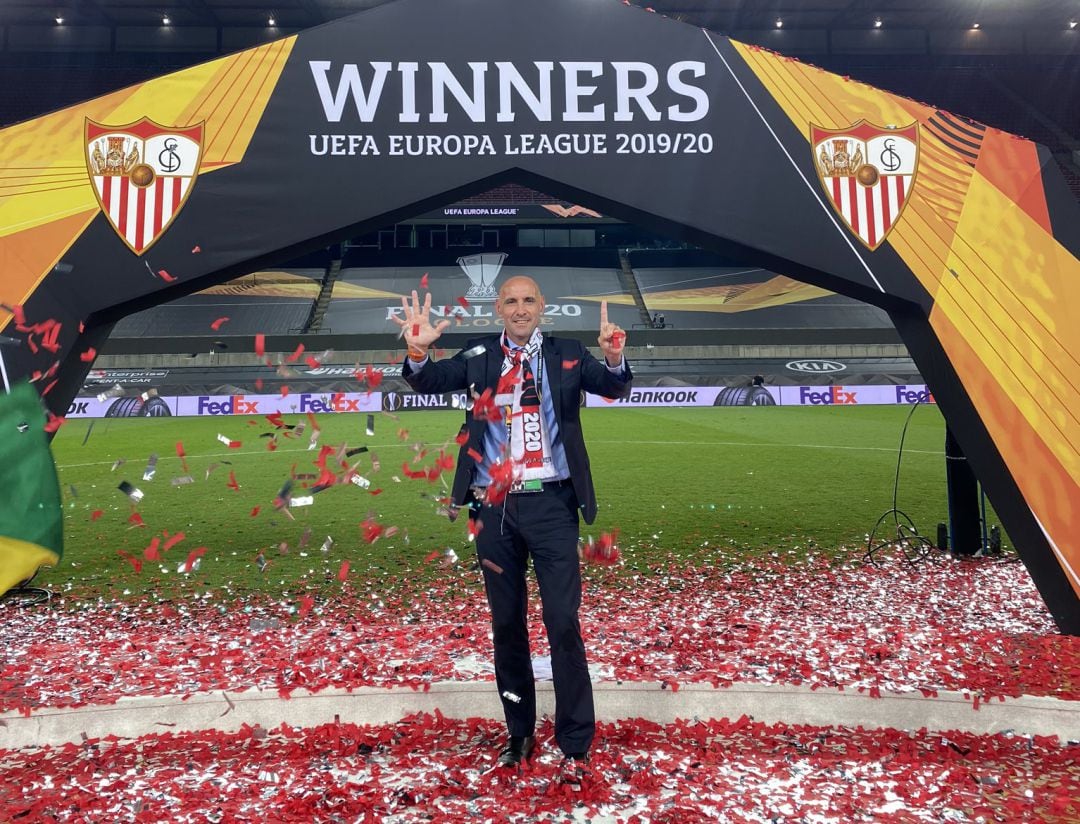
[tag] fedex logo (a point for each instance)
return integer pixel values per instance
(914, 395)
(827, 395)
(233, 405)
(335, 403)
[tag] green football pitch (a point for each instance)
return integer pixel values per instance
(707, 485)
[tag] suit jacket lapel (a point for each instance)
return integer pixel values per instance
(553, 362)
(492, 366)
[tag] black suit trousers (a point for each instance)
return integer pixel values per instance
(543, 525)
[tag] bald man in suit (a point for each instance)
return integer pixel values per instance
(527, 492)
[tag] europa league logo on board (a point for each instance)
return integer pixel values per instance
(867, 172)
(142, 174)
(482, 271)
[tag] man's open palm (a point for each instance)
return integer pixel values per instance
(416, 326)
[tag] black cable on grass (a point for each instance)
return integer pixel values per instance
(25, 595)
(905, 536)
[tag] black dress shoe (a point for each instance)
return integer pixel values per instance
(518, 749)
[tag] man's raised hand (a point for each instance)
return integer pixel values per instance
(416, 326)
(612, 338)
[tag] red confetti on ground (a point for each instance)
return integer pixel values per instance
(306, 603)
(173, 541)
(89, 355)
(217, 324)
(343, 572)
(254, 511)
(977, 625)
(233, 485)
(235, 444)
(433, 768)
(135, 519)
(97, 513)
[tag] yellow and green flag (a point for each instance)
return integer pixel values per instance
(31, 516)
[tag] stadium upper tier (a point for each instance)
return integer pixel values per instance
(365, 300)
(273, 302)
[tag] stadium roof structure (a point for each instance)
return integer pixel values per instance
(966, 235)
(738, 18)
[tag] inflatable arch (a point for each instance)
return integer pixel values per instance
(966, 235)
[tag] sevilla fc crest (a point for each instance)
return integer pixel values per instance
(142, 175)
(867, 172)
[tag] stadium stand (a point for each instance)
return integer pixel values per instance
(372, 282)
(278, 301)
(700, 290)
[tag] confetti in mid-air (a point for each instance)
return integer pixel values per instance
(133, 492)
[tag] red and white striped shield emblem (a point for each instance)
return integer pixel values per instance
(868, 172)
(142, 174)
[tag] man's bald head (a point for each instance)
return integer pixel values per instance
(518, 280)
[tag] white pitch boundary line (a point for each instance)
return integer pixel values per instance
(591, 440)
(781, 445)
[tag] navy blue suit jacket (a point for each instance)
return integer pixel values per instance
(571, 368)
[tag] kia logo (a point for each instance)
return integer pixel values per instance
(816, 367)
(391, 401)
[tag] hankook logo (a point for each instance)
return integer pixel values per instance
(816, 367)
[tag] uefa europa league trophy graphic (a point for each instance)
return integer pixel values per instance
(482, 271)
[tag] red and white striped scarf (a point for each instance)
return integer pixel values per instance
(530, 445)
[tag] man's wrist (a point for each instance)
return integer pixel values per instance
(417, 355)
